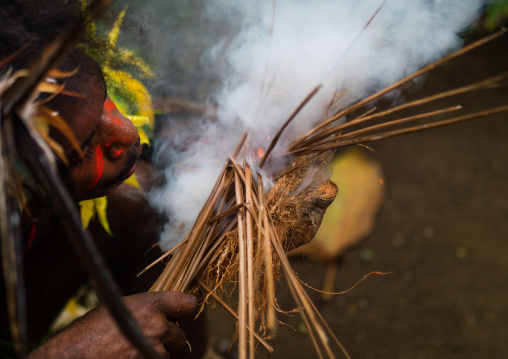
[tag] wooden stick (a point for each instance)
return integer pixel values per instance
(293, 284)
(329, 330)
(267, 251)
(226, 213)
(197, 259)
(242, 304)
(232, 312)
(250, 260)
(295, 166)
(413, 129)
(288, 121)
(163, 256)
(358, 36)
(206, 237)
(239, 145)
(212, 249)
(238, 169)
(400, 121)
(471, 87)
(170, 274)
(399, 83)
(376, 127)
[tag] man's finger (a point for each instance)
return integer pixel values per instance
(175, 305)
(175, 337)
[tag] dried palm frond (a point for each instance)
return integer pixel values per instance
(242, 234)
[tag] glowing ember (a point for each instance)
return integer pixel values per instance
(381, 181)
(260, 152)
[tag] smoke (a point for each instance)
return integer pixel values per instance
(281, 52)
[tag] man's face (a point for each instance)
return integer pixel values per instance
(110, 145)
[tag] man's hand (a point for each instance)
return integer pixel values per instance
(96, 334)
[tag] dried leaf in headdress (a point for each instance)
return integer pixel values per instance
(57, 74)
(8, 59)
(47, 87)
(9, 79)
(46, 116)
(55, 146)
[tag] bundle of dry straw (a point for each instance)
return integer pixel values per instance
(242, 233)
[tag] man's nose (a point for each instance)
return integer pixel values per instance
(122, 133)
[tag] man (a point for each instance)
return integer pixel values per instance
(111, 148)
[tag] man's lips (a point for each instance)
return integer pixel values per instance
(132, 170)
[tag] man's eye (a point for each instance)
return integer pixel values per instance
(87, 153)
(75, 160)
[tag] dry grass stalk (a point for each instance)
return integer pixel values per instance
(383, 92)
(249, 247)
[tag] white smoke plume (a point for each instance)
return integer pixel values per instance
(284, 49)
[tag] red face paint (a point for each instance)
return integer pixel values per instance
(117, 153)
(31, 238)
(109, 107)
(99, 167)
(113, 153)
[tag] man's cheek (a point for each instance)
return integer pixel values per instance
(99, 168)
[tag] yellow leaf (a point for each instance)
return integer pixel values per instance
(90, 208)
(90, 28)
(113, 36)
(133, 181)
(129, 57)
(87, 212)
(101, 206)
(143, 137)
(139, 121)
(142, 96)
